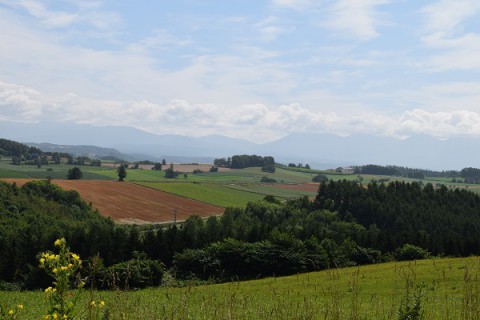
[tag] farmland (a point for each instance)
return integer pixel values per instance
(446, 289)
(198, 192)
(130, 203)
(209, 193)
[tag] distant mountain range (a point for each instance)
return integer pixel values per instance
(318, 150)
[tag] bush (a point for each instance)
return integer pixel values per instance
(135, 273)
(410, 252)
(74, 174)
(320, 178)
(270, 168)
(266, 179)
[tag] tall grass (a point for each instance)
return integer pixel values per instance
(441, 288)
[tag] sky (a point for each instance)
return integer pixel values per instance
(250, 69)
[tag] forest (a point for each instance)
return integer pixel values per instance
(346, 224)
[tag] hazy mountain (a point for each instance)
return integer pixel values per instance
(318, 150)
(420, 151)
(92, 152)
(74, 134)
(124, 139)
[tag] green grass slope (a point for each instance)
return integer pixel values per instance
(445, 288)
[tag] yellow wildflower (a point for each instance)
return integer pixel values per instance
(92, 303)
(10, 312)
(55, 270)
(20, 306)
(102, 303)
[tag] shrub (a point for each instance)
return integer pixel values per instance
(136, 273)
(410, 252)
(266, 179)
(74, 174)
(269, 167)
(320, 178)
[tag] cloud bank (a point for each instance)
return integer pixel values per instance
(254, 122)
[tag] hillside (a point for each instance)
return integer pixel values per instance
(16, 149)
(440, 288)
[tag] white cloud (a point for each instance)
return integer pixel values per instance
(256, 122)
(87, 12)
(160, 39)
(293, 4)
(446, 16)
(440, 124)
(49, 18)
(356, 18)
(271, 28)
(444, 25)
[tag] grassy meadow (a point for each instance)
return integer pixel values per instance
(446, 289)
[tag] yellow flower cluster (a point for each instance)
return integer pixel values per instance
(54, 316)
(12, 312)
(50, 290)
(65, 262)
(99, 304)
(60, 242)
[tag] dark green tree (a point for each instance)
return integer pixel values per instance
(157, 166)
(122, 172)
(320, 178)
(74, 174)
(269, 167)
(170, 173)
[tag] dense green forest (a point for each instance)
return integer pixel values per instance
(347, 224)
(405, 172)
(244, 161)
(15, 149)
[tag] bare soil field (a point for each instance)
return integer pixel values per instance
(129, 203)
(307, 187)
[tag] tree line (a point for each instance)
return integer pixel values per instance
(244, 161)
(413, 173)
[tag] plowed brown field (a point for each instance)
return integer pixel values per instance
(129, 203)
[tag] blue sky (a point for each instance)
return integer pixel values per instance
(256, 70)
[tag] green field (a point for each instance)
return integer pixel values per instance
(270, 189)
(210, 193)
(8, 170)
(446, 289)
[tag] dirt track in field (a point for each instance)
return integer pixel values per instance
(125, 202)
(306, 187)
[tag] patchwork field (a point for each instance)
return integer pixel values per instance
(130, 203)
